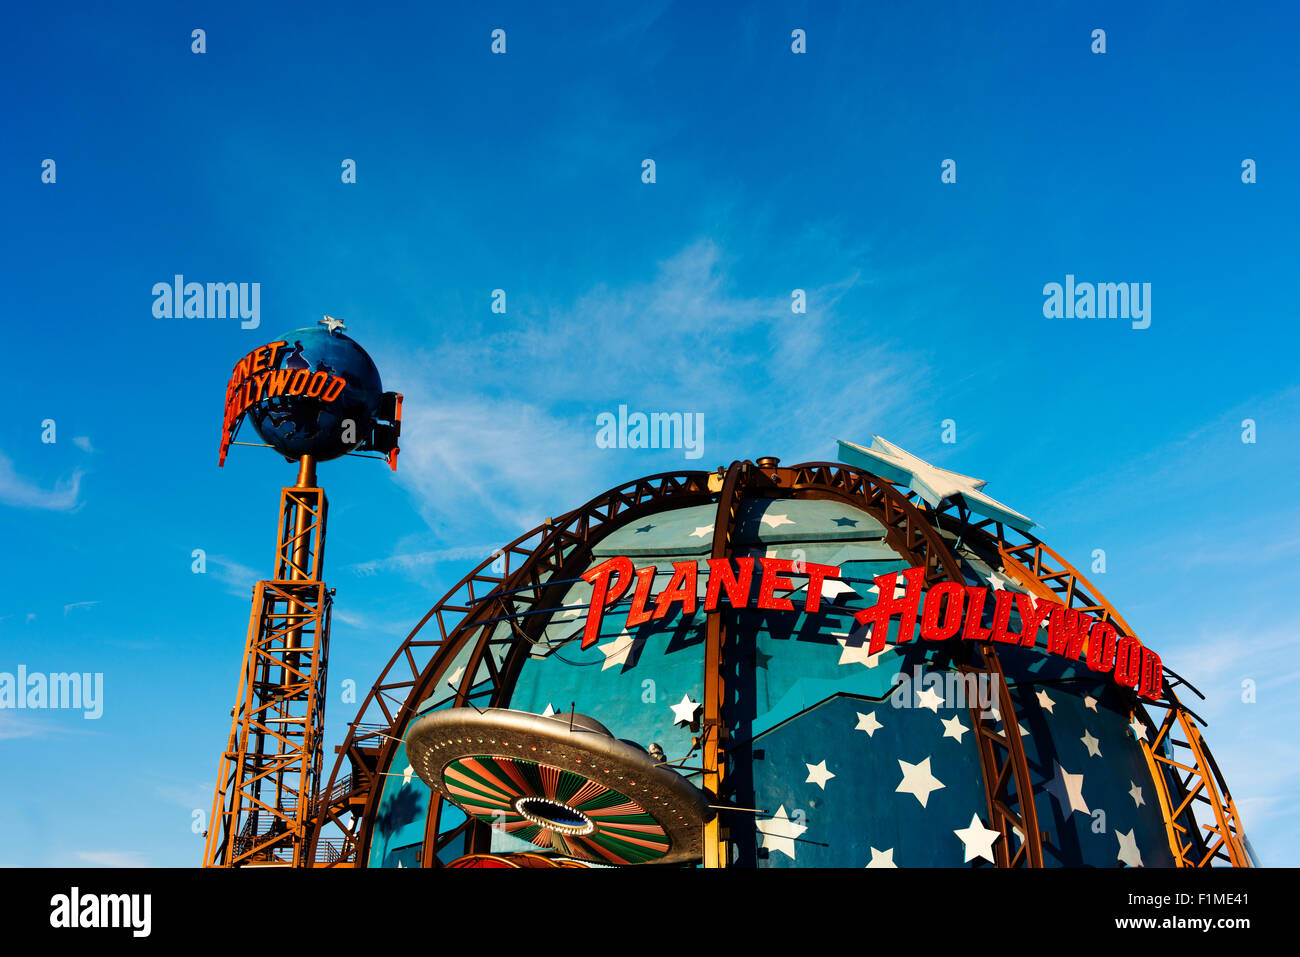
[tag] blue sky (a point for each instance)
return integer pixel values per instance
(774, 171)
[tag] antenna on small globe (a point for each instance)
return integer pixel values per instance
(332, 324)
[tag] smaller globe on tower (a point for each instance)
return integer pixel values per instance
(313, 392)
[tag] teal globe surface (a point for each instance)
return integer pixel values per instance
(297, 425)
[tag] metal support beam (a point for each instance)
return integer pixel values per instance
(265, 798)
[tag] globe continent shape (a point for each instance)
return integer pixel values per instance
(301, 425)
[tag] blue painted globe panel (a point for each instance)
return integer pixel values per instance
(837, 822)
(799, 692)
(777, 521)
(399, 821)
(1092, 783)
(297, 425)
(627, 680)
(399, 789)
(684, 532)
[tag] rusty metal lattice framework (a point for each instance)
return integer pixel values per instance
(523, 589)
(481, 614)
(492, 619)
(1201, 819)
(270, 770)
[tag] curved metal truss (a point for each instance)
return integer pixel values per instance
(491, 620)
(1192, 792)
(508, 584)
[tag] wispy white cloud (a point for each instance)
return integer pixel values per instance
(412, 561)
(83, 442)
(194, 795)
(112, 859)
(1249, 678)
(77, 604)
(238, 578)
(520, 445)
(24, 726)
(23, 493)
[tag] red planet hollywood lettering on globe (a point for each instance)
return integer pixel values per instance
(944, 611)
(254, 379)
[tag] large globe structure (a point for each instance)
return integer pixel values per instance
(303, 424)
(759, 729)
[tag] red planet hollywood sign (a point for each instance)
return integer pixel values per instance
(944, 611)
(255, 378)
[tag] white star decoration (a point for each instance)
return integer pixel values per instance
(1139, 730)
(858, 654)
(454, 681)
(616, 651)
(900, 589)
(1090, 743)
(831, 589)
(1136, 794)
(929, 698)
(406, 775)
(1067, 788)
(684, 710)
(1128, 849)
(918, 781)
(978, 840)
(953, 728)
(882, 858)
(1024, 732)
(779, 832)
(1047, 703)
(550, 710)
(997, 582)
(1090, 702)
(701, 531)
(935, 484)
(868, 723)
(818, 775)
(776, 521)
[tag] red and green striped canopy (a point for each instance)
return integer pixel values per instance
(588, 820)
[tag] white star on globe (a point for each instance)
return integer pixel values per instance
(978, 840)
(1067, 788)
(684, 710)
(1090, 743)
(883, 858)
(1128, 849)
(929, 698)
(918, 781)
(779, 832)
(818, 775)
(953, 728)
(868, 723)
(1139, 730)
(616, 652)
(830, 589)
(858, 654)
